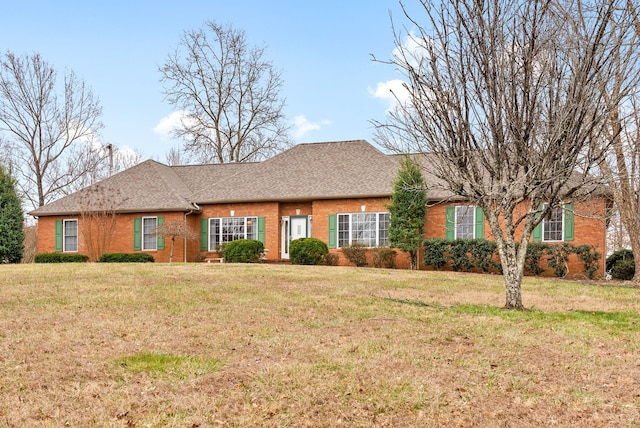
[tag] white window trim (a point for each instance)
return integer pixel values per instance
(377, 213)
(544, 221)
(212, 244)
(64, 235)
(142, 234)
(455, 221)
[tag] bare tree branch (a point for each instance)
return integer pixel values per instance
(48, 127)
(230, 96)
(506, 99)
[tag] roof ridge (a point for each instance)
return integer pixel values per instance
(161, 169)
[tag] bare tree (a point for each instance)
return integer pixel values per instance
(506, 99)
(48, 124)
(176, 229)
(229, 96)
(622, 169)
(98, 219)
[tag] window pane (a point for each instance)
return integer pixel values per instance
(465, 219)
(343, 230)
(252, 227)
(552, 225)
(214, 233)
(363, 229)
(70, 235)
(149, 240)
(383, 229)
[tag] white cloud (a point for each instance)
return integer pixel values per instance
(302, 126)
(169, 123)
(391, 91)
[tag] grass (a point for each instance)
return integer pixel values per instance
(263, 345)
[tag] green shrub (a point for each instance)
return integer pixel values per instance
(589, 257)
(308, 251)
(60, 258)
(243, 251)
(559, 257)
(624, 270)
(535, 251)
(356, 253)
(384, 258)
(126, 258)
(435, 250)
(615, 257)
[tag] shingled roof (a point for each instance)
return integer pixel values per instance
(335, 170)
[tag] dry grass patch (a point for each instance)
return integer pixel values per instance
(265, 345)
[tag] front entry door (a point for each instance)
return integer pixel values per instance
(293, 227)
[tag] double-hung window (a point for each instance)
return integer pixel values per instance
(149, 233)
(370, 229)
(556, 226)
(464, 222)
(70, 237)
(227, 229)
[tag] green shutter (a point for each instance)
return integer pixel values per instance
(332, 230)
(204, 234)
(159, 236)
(137, 233)
(58, 236)
(568, 222)
(479, 223)
(537, 231)
(450, 223)
(261, 229)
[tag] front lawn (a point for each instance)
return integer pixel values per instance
(203, 345)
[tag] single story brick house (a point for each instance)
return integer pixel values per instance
(337, 192)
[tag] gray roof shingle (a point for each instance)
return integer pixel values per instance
(335, 170)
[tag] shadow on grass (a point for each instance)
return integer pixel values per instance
(612, 321)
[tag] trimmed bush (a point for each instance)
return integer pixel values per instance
(126, 258)
(384, 258)
(308, 251)
(60, 258)
(356, 253)
(624, 270)
(467, 254)
(621, 265)
(435, 250)
(616, 256)
(243, 251)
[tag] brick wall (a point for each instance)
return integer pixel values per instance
(269, 210)
(589, 227)
(122, 236)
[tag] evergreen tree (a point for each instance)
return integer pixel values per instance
(11, 221)
(408, 209)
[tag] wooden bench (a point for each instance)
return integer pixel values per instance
(214, 259)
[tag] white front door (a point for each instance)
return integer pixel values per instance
(293, 228)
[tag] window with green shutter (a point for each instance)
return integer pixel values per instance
(137, 233)
(160, 236)
(261, 229)
(333, 238)
(204, 234)
(58, 236)
(464, 222)
(557, 226)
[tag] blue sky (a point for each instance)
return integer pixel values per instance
(322, 47)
